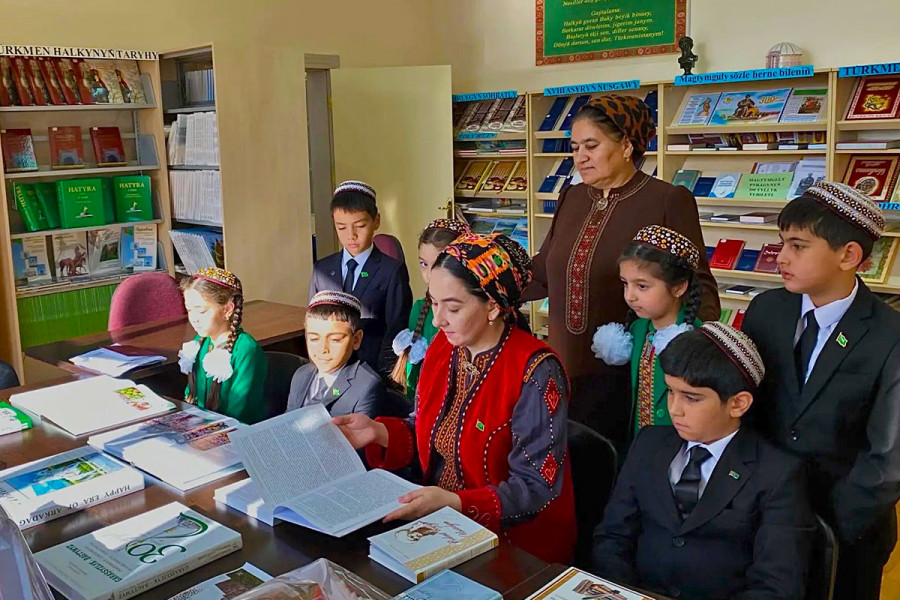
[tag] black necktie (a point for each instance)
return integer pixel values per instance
(348, 280)
(687, 490)
(804, 348)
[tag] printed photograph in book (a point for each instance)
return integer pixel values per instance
(805, 106)
(735, 108)
(877, 267)
(70, 254)
(60, 476)
(103, 251)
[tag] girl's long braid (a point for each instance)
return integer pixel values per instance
(693, 299)
(212, 396)
(398, 374)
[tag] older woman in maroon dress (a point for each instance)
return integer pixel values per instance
(577, 264)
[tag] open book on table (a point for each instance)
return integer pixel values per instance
(306, 472)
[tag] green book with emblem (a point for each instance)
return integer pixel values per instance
(765, 186)
(134, 201)
(109, 201)
(29, 207)
(80, 202)
(46, 195)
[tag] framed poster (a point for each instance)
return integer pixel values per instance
(568, 31)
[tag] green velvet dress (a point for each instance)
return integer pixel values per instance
(428, 332)
(242, 396)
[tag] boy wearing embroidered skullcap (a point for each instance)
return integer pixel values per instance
(707, 509)
(381, 283)
(225, 366)
(832, 391)
(334, 377)
(658, 269)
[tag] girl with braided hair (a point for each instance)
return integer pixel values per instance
(658, 269)
(410, 344)
(225, 366)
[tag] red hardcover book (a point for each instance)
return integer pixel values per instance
(8, 94)
(83, 80)
(36, 79)
(108, 148)
(738, 319)
(18, 150)
(68, 79)
(768, 259)
(51, 79)
(875, 97)
(874, 175)
(726, 254)
(66, 148)
(20, 78)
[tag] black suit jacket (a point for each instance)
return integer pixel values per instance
(846, 420)
(383, 290)
(357, 388)
(748, 537)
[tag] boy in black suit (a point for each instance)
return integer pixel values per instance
(334, 377)
(832, 389)
(380, 282)
(708, 510)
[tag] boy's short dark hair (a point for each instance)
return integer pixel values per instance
(696, 359)
(806, 212)
(335, 312)
(349, 201)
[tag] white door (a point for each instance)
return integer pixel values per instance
(393, 129)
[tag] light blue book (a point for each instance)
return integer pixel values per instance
(448, 585)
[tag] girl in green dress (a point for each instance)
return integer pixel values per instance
(410, 344)
(225, 366)
(658, 269)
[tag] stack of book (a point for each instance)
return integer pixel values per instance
(730, 254)
(493, 178)
(784, 105)
(477, 148)
(197, 196)
(193, 139)
(506, 115)
(782, 140)
(199, 86)
(43, 81)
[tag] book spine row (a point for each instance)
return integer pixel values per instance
(153, 580)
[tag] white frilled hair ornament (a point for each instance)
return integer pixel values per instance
(216, 363)
(417, 345)
(613, 344)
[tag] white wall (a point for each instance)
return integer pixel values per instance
(490, 43)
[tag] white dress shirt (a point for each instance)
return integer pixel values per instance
(360, 259)
(716, 449)
(827, 316)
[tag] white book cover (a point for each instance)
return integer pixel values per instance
(110, 362)
(306, 470)
(805, 106)
(575, 584)
(37, 260)
(808, 172)
(244, 496)
(442, 540)
(698, 109)
(725, 185)
(185, 449)
(52, 487)
(145, 247)
(136, 555)
(103, 250)
(227, 585)
(89, 405)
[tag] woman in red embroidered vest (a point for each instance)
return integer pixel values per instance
(490, 427)
(577, 264)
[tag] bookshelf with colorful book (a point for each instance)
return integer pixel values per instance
(76, 134)
(195, 182)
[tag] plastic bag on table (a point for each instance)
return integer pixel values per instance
(319, 580)
(19, 573)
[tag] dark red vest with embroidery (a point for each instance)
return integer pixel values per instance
(485, 441)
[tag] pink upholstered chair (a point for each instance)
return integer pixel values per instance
(389, 245)
(143, 298)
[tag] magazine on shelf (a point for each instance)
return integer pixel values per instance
(306, 470)
(185, 449)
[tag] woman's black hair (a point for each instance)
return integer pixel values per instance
(671, 269)
(456, 268)
(606, 125)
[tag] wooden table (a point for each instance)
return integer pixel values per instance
(275, 550)
(269, 323)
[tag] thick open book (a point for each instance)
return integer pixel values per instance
(55, 486)
(115, 360)
(89, 405)
(185, 449)
(306, 470)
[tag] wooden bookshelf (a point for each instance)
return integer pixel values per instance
(141, 126)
